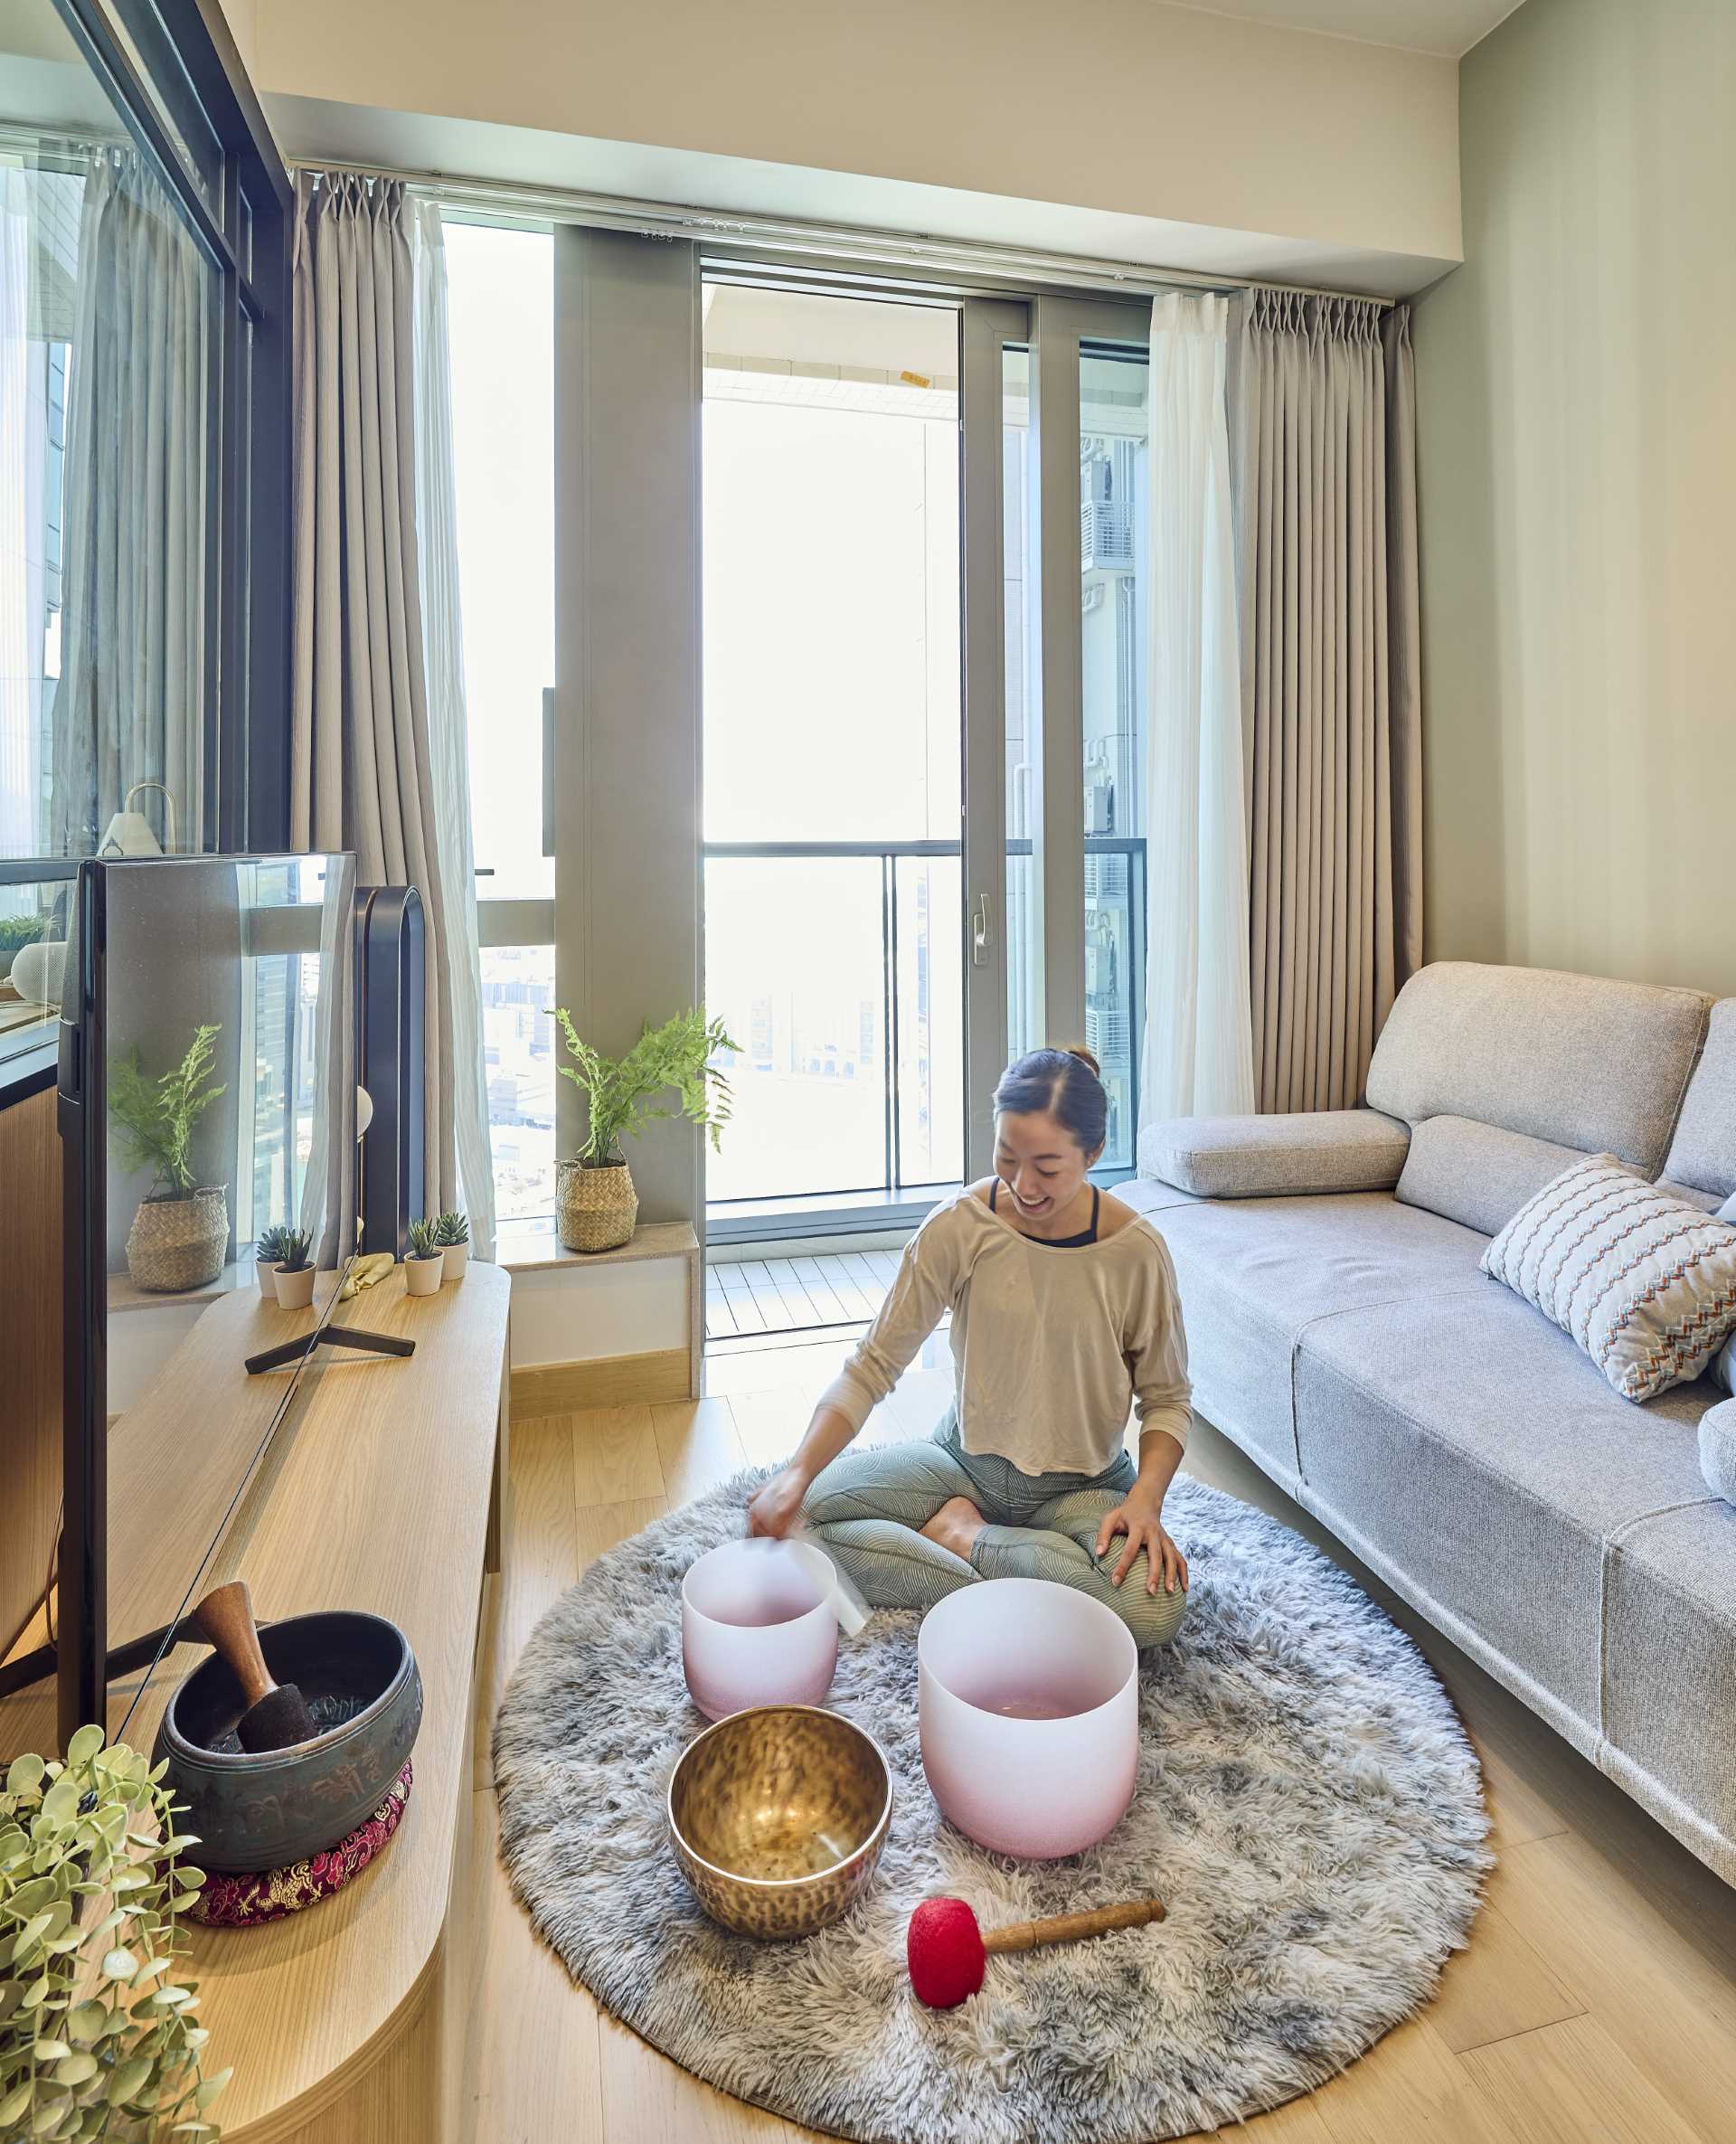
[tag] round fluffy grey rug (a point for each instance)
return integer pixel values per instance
(1309, 1808)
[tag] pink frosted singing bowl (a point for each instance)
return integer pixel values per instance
(758, 1626)
(1029, 1701)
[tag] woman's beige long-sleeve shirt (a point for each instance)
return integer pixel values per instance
(1049, 1346)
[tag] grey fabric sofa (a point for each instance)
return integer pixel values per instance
(1340, 1331)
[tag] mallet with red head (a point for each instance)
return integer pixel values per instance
(948, 1952)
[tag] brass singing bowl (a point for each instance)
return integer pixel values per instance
(777, 1816)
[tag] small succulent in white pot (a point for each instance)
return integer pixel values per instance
(100, 2034)
(295, 1271)
(267, 1253)
(424, 1260)
(452, 1233)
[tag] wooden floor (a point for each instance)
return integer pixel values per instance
(788, 1295)
(1596, 2003)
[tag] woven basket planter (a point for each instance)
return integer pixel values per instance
(178, 1244)
(596, 1207)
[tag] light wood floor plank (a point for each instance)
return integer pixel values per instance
(1570, 2083)
(532, 2051)
(1411, 2088)
(697, 1446)
(539, 1562)
(603, 1527)
(770, 1424)
(1297, 2121)
(614, 1454)
(1664, 1992)
(646, 2100)
(1498, 1986)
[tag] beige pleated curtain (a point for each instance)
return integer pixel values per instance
(1323, 450)
(360, 775)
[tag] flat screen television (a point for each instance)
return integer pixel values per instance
(207, 1093)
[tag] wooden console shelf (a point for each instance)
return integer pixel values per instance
(381, 1491)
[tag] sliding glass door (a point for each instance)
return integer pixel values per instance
(1057, 584)
(832, 746)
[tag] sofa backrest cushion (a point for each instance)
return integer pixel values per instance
(1477, 1174)
(1578, 1060)
(1701, 1165)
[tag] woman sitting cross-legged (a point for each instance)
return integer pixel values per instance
(1065, 1312)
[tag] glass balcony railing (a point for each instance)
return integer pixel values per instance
(837, 967)
(35, 898)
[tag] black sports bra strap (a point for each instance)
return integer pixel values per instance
(1096, 1200)
(993, 1190)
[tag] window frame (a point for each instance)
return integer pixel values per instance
(193, 67)
(995, 311)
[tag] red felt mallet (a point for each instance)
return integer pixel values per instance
(948, 1952)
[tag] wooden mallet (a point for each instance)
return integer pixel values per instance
(948, 1952)
(276, 1716)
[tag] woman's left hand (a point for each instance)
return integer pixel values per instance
(1142, 1522)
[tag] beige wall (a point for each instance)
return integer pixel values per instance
(1577, 398)
(1129, 106)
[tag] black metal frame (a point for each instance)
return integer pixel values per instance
(390, 977)
(193, 72)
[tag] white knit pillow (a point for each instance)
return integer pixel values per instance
(1644, 1282)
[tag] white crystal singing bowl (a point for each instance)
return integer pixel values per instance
(758, 1626)
(1034, 1786)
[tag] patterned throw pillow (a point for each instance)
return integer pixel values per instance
(1644, 1282)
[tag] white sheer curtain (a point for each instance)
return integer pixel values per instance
(1198, 1053)
(448, 742)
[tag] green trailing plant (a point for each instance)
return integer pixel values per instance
(295, 1253)
(270, 1249)
(99, 2031)
(155, 1120)
(423, 1243)
(450, 1230)
(622, 1093)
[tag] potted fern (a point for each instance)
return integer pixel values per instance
(594, 1195)
(424, 1260)
(181, 1231)
(295, 1271)
(100, 2035)
(452, 1233)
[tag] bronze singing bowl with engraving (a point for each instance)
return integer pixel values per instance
(777, 1816)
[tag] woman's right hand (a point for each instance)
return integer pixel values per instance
(776, 1509)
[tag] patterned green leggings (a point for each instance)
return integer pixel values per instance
(868, 1504)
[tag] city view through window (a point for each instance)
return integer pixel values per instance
(832, 721)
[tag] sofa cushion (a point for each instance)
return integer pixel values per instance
(1477, 1173)
(1644, 1283)
(1577, 1059)
(1283, 1156)
(1255, 1273)
(1485, 1457)
(1702, 1160)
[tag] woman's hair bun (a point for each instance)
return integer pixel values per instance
(1085, 1058)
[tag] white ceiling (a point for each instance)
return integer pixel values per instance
(1447, 27)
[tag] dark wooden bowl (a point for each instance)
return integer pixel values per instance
(262, 1811)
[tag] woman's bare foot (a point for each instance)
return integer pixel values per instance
(955, 1526)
